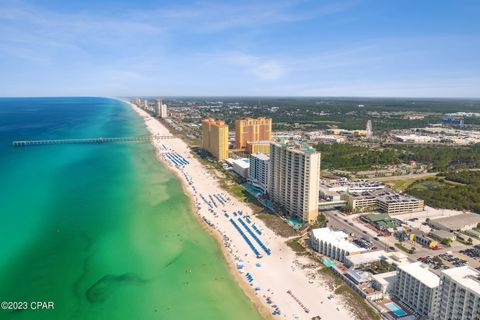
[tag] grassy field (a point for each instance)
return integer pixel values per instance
(402, 184)
(296, 246)
(276, 224)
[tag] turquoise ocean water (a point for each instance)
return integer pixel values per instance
(103, 231)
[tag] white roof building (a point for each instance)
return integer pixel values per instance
(417, 287)
(241, 166)
(465, 276)
(420, 272)
(384, 282)
(334, 244)
(364, 258)
(459, 296)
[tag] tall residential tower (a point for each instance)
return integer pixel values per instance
(251, 130)
(161, 109)
(215, 138)
(295, 179)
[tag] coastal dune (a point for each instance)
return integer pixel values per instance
(273, 282)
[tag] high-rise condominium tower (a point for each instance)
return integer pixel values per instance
(294, 179)
(250, 130)
(161, 109)
(215, 138)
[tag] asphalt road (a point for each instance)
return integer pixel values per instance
(336, 221)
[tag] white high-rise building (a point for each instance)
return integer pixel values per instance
(145, 104)
(295, 179)
(459, 295)
(417, 287)
(258, 172)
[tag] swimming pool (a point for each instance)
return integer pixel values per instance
(395, 309)
(296, 223)
(328, 262)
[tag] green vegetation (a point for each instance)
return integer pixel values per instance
(321, 221)
(296, 246)
(403, 248)
(354, 301)
(320, 112)
(442, 157)
(464, 194)
(276, 224)
(447, 242)
(380, 267)
(464, 177)
(352, 157)
(403, 184)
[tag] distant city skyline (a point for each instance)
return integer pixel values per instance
(362, 48)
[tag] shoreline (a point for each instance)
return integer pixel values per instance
(247, 291)
(279, 281)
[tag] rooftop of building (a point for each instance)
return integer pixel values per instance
(359, 276)
(253, 119)
(365, 257)
(466, 276)
(259, 142)
(344, 182)
(391, 196)
(384, 195)
(442, 234)
(421, 272)
(261, 156)
(458, 221)
(243, 163)
(296, 146)
(212, 122)
(385, 278)
(337, 239)
(396, 257)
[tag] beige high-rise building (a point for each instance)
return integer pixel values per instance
(161, 109)
(215, 138)
(251, 130)
(295, 179)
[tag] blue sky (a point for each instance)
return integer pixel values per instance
(417, 48)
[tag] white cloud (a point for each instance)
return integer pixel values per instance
(261, 68)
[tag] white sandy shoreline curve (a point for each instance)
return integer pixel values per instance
(278, 277)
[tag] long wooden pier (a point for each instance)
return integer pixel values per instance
(26, 143)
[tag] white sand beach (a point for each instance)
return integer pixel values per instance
(278, 277)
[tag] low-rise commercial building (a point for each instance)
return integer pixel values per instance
(381, 221)
(241, 166)
(417, 287)
(460, 222)
(387, 201)
(334, 244)
(360, 202)
(441, 235)
(364, 259)
(395, 203)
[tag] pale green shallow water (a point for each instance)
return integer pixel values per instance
(103, 231)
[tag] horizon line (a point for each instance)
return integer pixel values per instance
(244, 96)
